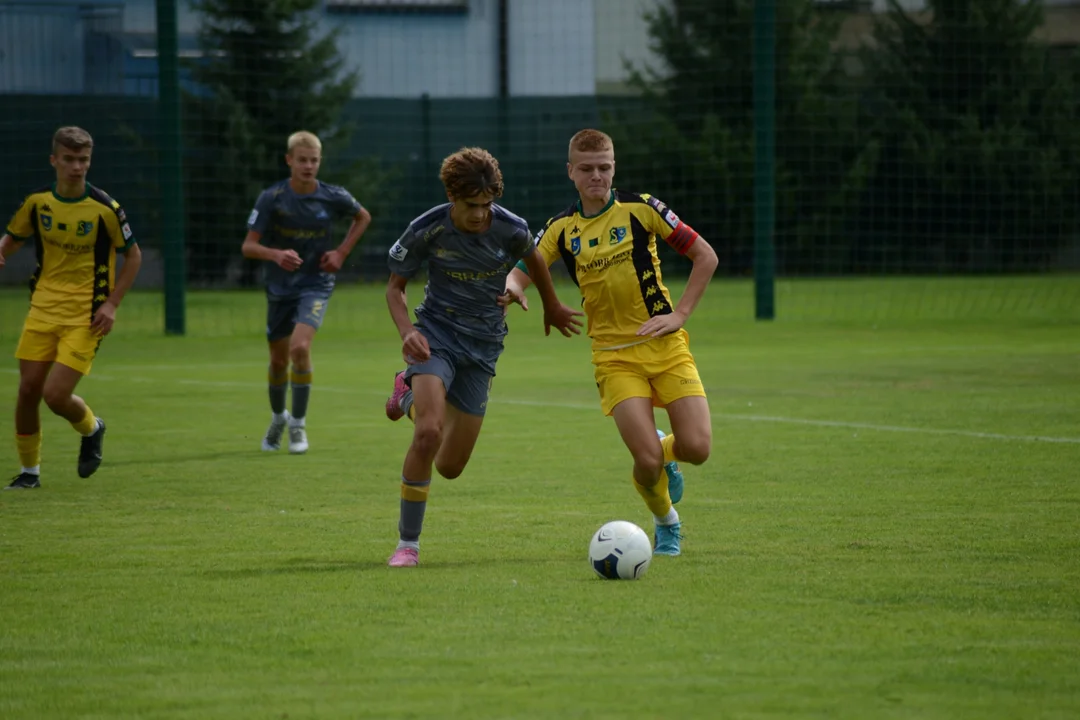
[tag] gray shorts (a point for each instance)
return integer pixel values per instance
(283, 313)
(465, 364)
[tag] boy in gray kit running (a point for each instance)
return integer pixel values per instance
(290, 228)
(469, 246)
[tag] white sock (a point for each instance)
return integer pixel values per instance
(414, 544)
(36, 470)
(670, 519)
(97, 426)
(296, 422)
(280, 417)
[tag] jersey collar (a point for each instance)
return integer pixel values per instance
(86, 194)
(610, 202)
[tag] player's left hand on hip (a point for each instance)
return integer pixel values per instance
(104, 319)
(331, 261)
(662, 325)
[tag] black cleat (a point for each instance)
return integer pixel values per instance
(90, 451)
(24, 481)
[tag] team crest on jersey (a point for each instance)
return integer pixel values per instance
(575, 245)
(85, 227)
(46, 222)
(617, 235)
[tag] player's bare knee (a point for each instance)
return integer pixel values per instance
(427, 436)
(279, 366)
(29, 394)
(694, 451)
(300, 353)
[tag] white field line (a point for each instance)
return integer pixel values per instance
(731, 417)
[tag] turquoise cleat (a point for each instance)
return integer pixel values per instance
(666, 540)
(674, 476)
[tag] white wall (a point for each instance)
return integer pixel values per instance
(552, 47)
(452, 56)
(621, 37)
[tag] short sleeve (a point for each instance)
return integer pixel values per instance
(21, 226)
(546, 243)
(119, 227)
(259, 219)
(521, 244)
(407, 255)
(663, 221)
(344, 204)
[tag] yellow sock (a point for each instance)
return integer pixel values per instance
(656, 497)
(29, 449)
(88, 424)
(415, 491)
(412, 413)
(668, 443)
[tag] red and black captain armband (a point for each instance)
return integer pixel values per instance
(682, 238)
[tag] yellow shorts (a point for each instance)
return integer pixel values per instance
(662, 369)
(71, 345)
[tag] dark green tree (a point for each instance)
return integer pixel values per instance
(692, 143)
(265, 72)
(976, 139)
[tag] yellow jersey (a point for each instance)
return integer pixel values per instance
(75, 240)
(612, 259)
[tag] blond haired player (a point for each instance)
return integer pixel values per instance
(290, 228)
(640, 350)
(76, 230)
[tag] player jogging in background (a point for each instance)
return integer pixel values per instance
(291, 228)
(76, 230)
(641, 354)
(469, 245)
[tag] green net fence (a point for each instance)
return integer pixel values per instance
(926, 155)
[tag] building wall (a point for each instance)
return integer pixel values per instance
(622, 39)
(406, 54)
(556, 47)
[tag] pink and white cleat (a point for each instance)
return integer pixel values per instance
(404, 557)
(393, 403)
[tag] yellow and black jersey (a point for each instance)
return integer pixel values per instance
(612, 258)
(75, 240)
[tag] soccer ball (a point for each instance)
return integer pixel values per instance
(620, 550)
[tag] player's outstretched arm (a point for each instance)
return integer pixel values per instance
(414, 347)
(332, 260)
(562, 318)
(105, 316)
(253, 249)
(705, 261)
(8, 247)
(516, 284)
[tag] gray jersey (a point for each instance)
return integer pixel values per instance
(466, 271)
(303, 223)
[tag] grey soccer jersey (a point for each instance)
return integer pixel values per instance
(303, 223)
(466, 271)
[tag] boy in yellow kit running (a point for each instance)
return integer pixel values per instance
(76, 230)
(640, 352)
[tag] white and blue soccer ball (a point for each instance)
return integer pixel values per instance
(620, 550)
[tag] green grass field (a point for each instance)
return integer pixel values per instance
(889, 526)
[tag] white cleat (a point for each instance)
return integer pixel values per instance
(272, 441)
(297, 440)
